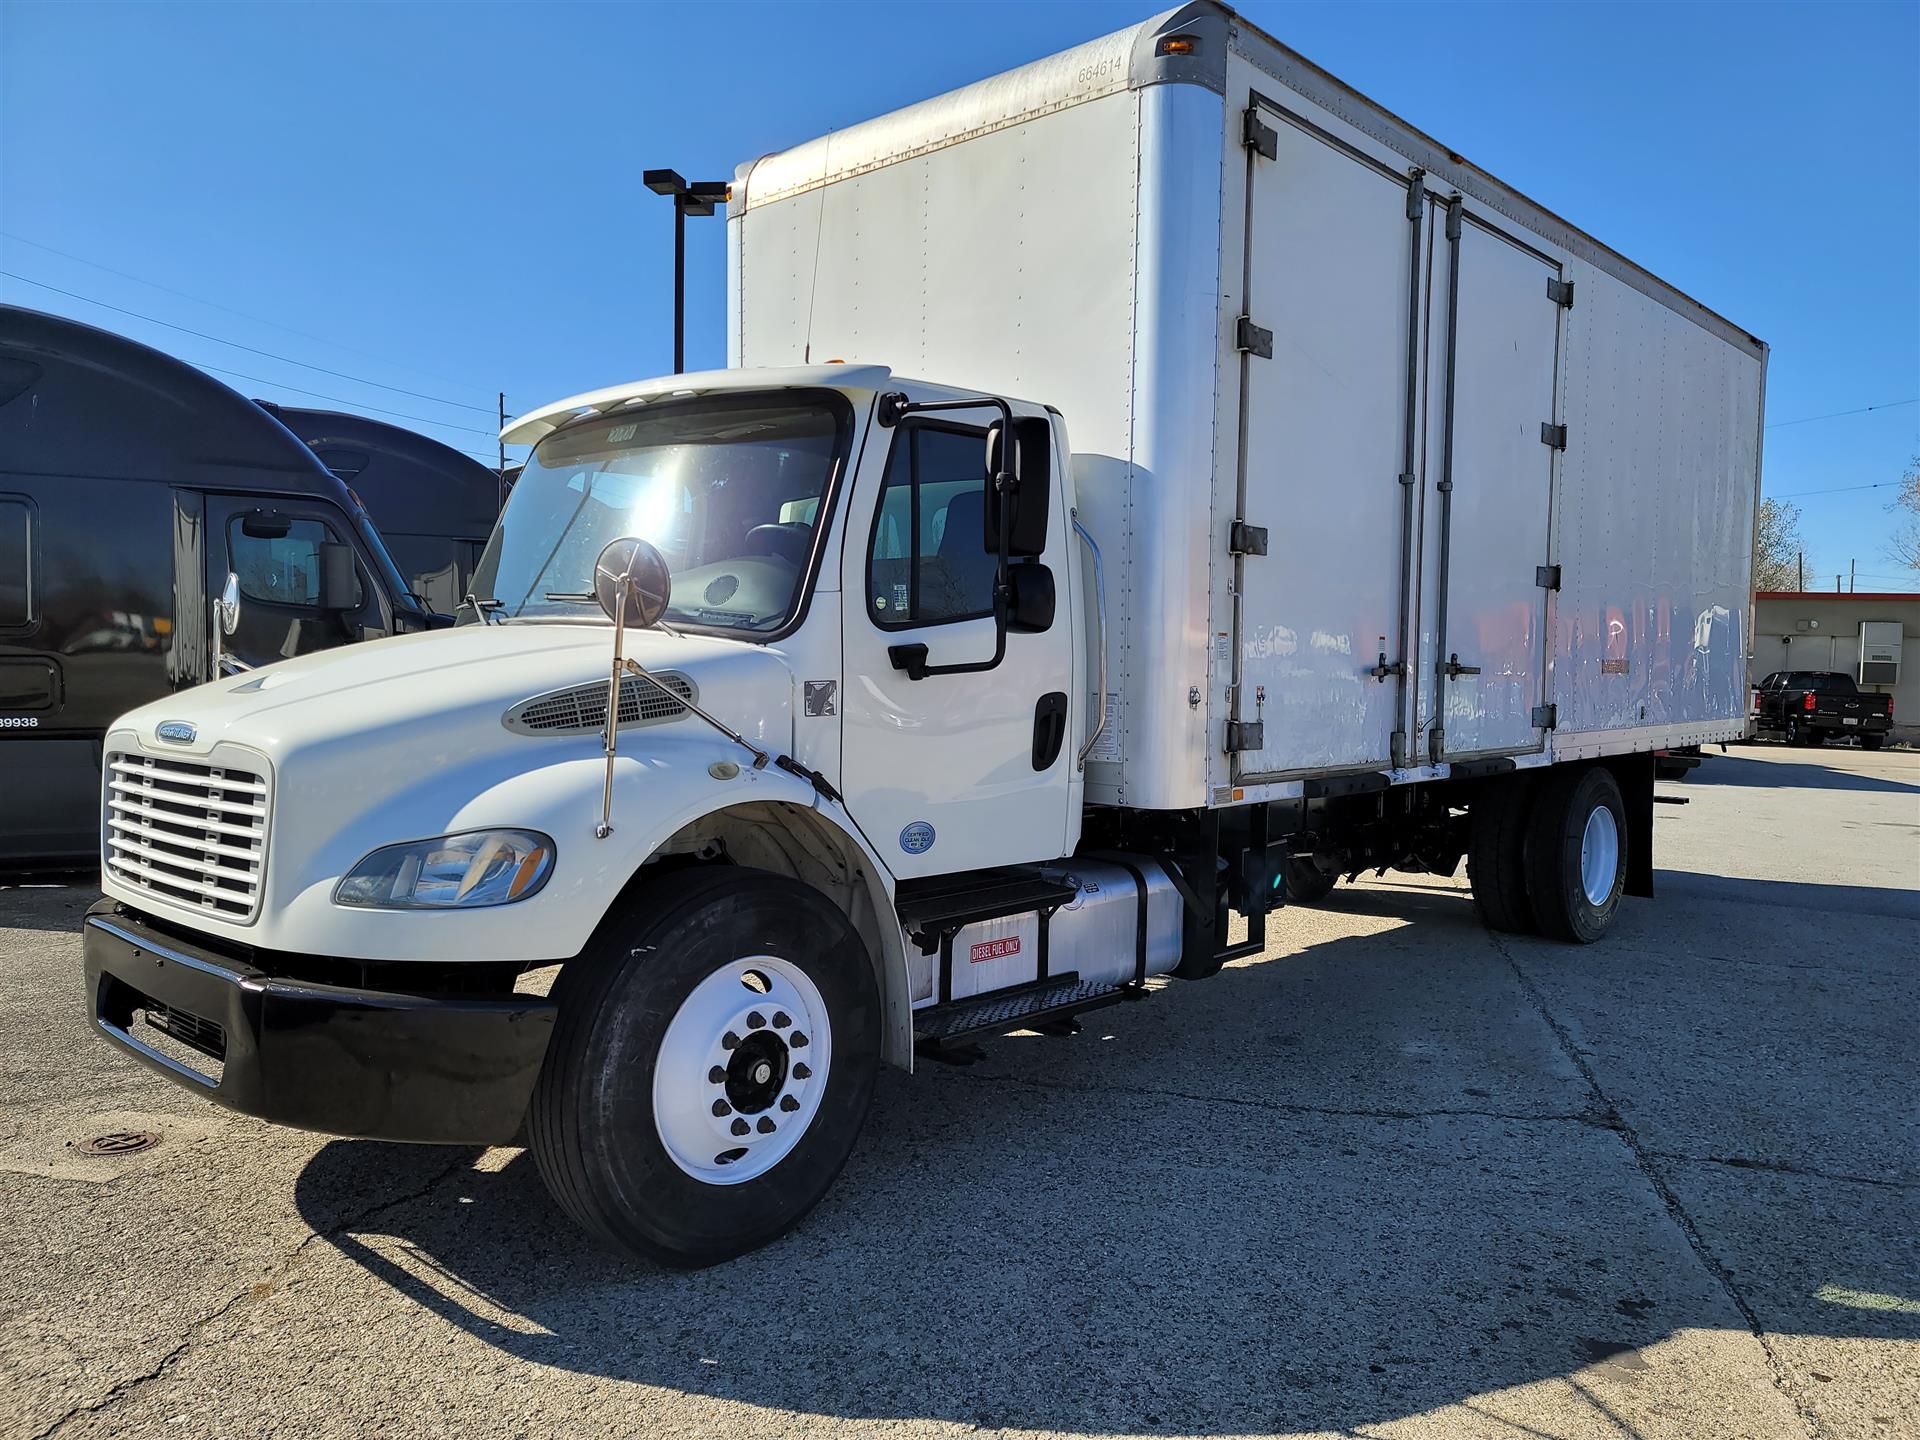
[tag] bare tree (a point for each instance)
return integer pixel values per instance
(1904, 544)
(1777, 547)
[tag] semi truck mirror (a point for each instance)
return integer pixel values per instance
(1030, 608)
(227, 608)
(339, 589)
(636, 569)
(1027, 504)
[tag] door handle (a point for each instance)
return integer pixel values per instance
(1049, 728)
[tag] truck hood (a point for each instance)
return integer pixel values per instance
(446, 690)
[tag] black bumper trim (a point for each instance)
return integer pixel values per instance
(446, 1069)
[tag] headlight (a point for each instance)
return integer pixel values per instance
(478, 868)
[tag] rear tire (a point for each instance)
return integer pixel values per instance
(1496, 857)
(636, 1122)
(1872, 742)
(1577, 854)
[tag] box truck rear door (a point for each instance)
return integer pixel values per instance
(1503, 348)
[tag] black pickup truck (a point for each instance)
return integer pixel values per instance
(1810, 707)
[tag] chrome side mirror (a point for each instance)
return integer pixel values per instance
(632, 583)
(226, 619)
(228, 605)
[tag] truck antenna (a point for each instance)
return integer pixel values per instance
(819, 228)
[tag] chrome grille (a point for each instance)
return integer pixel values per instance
(582, 709)
(187, 831)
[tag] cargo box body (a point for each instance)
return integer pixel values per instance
(1391, 468)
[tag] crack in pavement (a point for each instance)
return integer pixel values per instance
(1644, 1157)
(1599, 1121)
(1778, 1167)
(261, 1289)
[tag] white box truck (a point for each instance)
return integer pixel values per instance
(1148, 486)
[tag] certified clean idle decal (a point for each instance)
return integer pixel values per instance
(917, 838)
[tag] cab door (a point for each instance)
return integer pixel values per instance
(276, 546)
(953, 772)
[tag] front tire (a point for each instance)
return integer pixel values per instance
(710, 1067)
(1576, 854)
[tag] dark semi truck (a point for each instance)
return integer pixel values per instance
(132, 487)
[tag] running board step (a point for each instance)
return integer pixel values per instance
(931, 909)
(1016, 1009)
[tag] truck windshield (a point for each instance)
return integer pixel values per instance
(732, 489)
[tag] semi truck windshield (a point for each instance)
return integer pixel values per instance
(731, 489)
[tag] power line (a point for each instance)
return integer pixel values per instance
(1809, 419)
(244, 315)
(250, 349)
(337, 400)
(1836, 490)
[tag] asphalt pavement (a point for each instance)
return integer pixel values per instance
(1395, 1177)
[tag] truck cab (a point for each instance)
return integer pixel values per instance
(863, 697)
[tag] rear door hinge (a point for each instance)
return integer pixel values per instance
(1416, 194)
(1245, 735)
(1257, 135)
(1250, 339)
(1245, 539)
(1560, 292)
(1546, 717)
(1547, 577)
(1554, 435)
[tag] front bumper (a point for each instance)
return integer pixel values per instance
(448, 1069)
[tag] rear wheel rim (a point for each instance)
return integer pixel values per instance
(742, 1070)
(1599, 855)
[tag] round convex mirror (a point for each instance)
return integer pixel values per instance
(637, 569)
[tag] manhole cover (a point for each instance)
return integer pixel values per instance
(119, 1142)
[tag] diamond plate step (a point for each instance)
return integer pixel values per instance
(1016, 1009)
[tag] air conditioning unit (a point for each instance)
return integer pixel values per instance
(1879, 652)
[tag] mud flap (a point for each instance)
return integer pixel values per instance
(1635, 776)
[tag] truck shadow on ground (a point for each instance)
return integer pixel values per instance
(1735, 768)
(1091, 1238)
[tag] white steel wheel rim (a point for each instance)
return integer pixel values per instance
(1599, 855)
(749, 1047)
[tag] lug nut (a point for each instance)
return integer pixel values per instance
(717, 1075)
(720, 1107)
(756, 1020)
(797, 1040)
(781, 1019)
(740, 1127)
(729, 1041)
(766, 1126)
(789, 1104)
(803, 1071)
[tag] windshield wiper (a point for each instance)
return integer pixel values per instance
(483, 608)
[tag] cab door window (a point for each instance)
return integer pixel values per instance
(278, 559)
(928, 561)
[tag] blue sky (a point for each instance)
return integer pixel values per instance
(447, 198)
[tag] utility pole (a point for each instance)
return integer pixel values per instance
(503, 449)
(689, 198)
(1802, 586)
(1850, 565)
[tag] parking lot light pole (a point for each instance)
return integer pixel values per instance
(697, 197)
